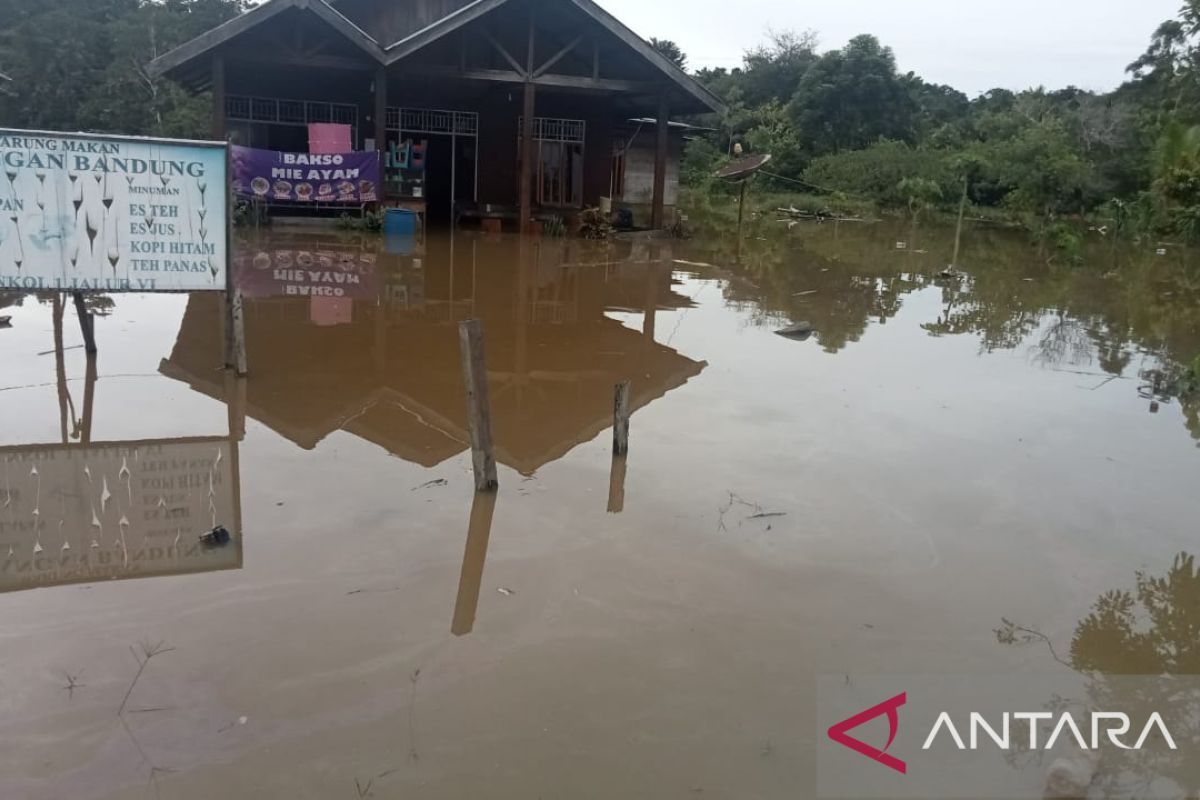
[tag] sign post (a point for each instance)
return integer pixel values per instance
(95, 213)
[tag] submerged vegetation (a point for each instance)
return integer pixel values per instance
(846, 124)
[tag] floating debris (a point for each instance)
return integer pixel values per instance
(217, 537)
(506, 592)
(5, 322)
(800, 332)
(432, 484)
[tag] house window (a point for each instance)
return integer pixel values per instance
(616, 188)
(557, 161)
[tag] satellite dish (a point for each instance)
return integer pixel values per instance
(743, 168)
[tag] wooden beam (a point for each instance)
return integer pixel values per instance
(527, 150)
(381, 96)
(532, 44)
(559, 56)
(257, 60)
(639, 45)
(595, 84)
(581, 83)
(258, 15)
(512, 62)
(528, 110)
(218, 97)
(661, 150)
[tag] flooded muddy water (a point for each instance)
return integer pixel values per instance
(939, 456)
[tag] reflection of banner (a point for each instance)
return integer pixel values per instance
(76, 514)
(106, 213)
(306, 177)
(306, 273)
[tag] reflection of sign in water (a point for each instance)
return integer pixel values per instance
(306, 273)
(306, 177)
(76, 514)
(111, 214)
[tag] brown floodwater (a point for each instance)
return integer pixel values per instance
(941, 455)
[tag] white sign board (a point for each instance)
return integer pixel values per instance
(85, 513)
(111, 214)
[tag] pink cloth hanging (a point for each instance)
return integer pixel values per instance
(329, 137)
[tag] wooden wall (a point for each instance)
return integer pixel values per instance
(389, 21)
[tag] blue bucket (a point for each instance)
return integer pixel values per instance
(400, 222)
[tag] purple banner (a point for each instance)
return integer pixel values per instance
(305, 177)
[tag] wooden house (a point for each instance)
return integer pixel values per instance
(527, 108)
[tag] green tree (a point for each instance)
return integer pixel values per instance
(671, 51)
(852, 97)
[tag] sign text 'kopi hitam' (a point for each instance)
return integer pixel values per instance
(99, 213)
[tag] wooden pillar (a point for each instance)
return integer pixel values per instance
(218, 97)
(479, 412)
(527, 151)
(381, 96)
(661, 151)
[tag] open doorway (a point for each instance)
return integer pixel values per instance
(451, 161)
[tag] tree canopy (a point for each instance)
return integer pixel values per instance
(847, 120)
(81, 64)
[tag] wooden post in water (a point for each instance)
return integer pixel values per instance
(621, 419)
(741, 210)
(962, 210)
(87, 324)
(89, 400)
(235, 340)
(235, 327)
(60, 368)
(616, 484)
(479, 414)
(662, 146)
(474, 557)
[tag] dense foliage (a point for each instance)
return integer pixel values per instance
(81, 64)
(848, 121)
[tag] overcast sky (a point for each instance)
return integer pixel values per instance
(971, 45)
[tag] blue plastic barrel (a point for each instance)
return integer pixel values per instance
(400, 222)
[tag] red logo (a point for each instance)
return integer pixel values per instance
(840, 732)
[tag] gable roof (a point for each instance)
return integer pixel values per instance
(256, 16)
(420, 39)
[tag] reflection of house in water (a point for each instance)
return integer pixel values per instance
(392, 373)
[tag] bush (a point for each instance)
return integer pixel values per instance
(371, 221)
(878, 172)
(594, 225)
